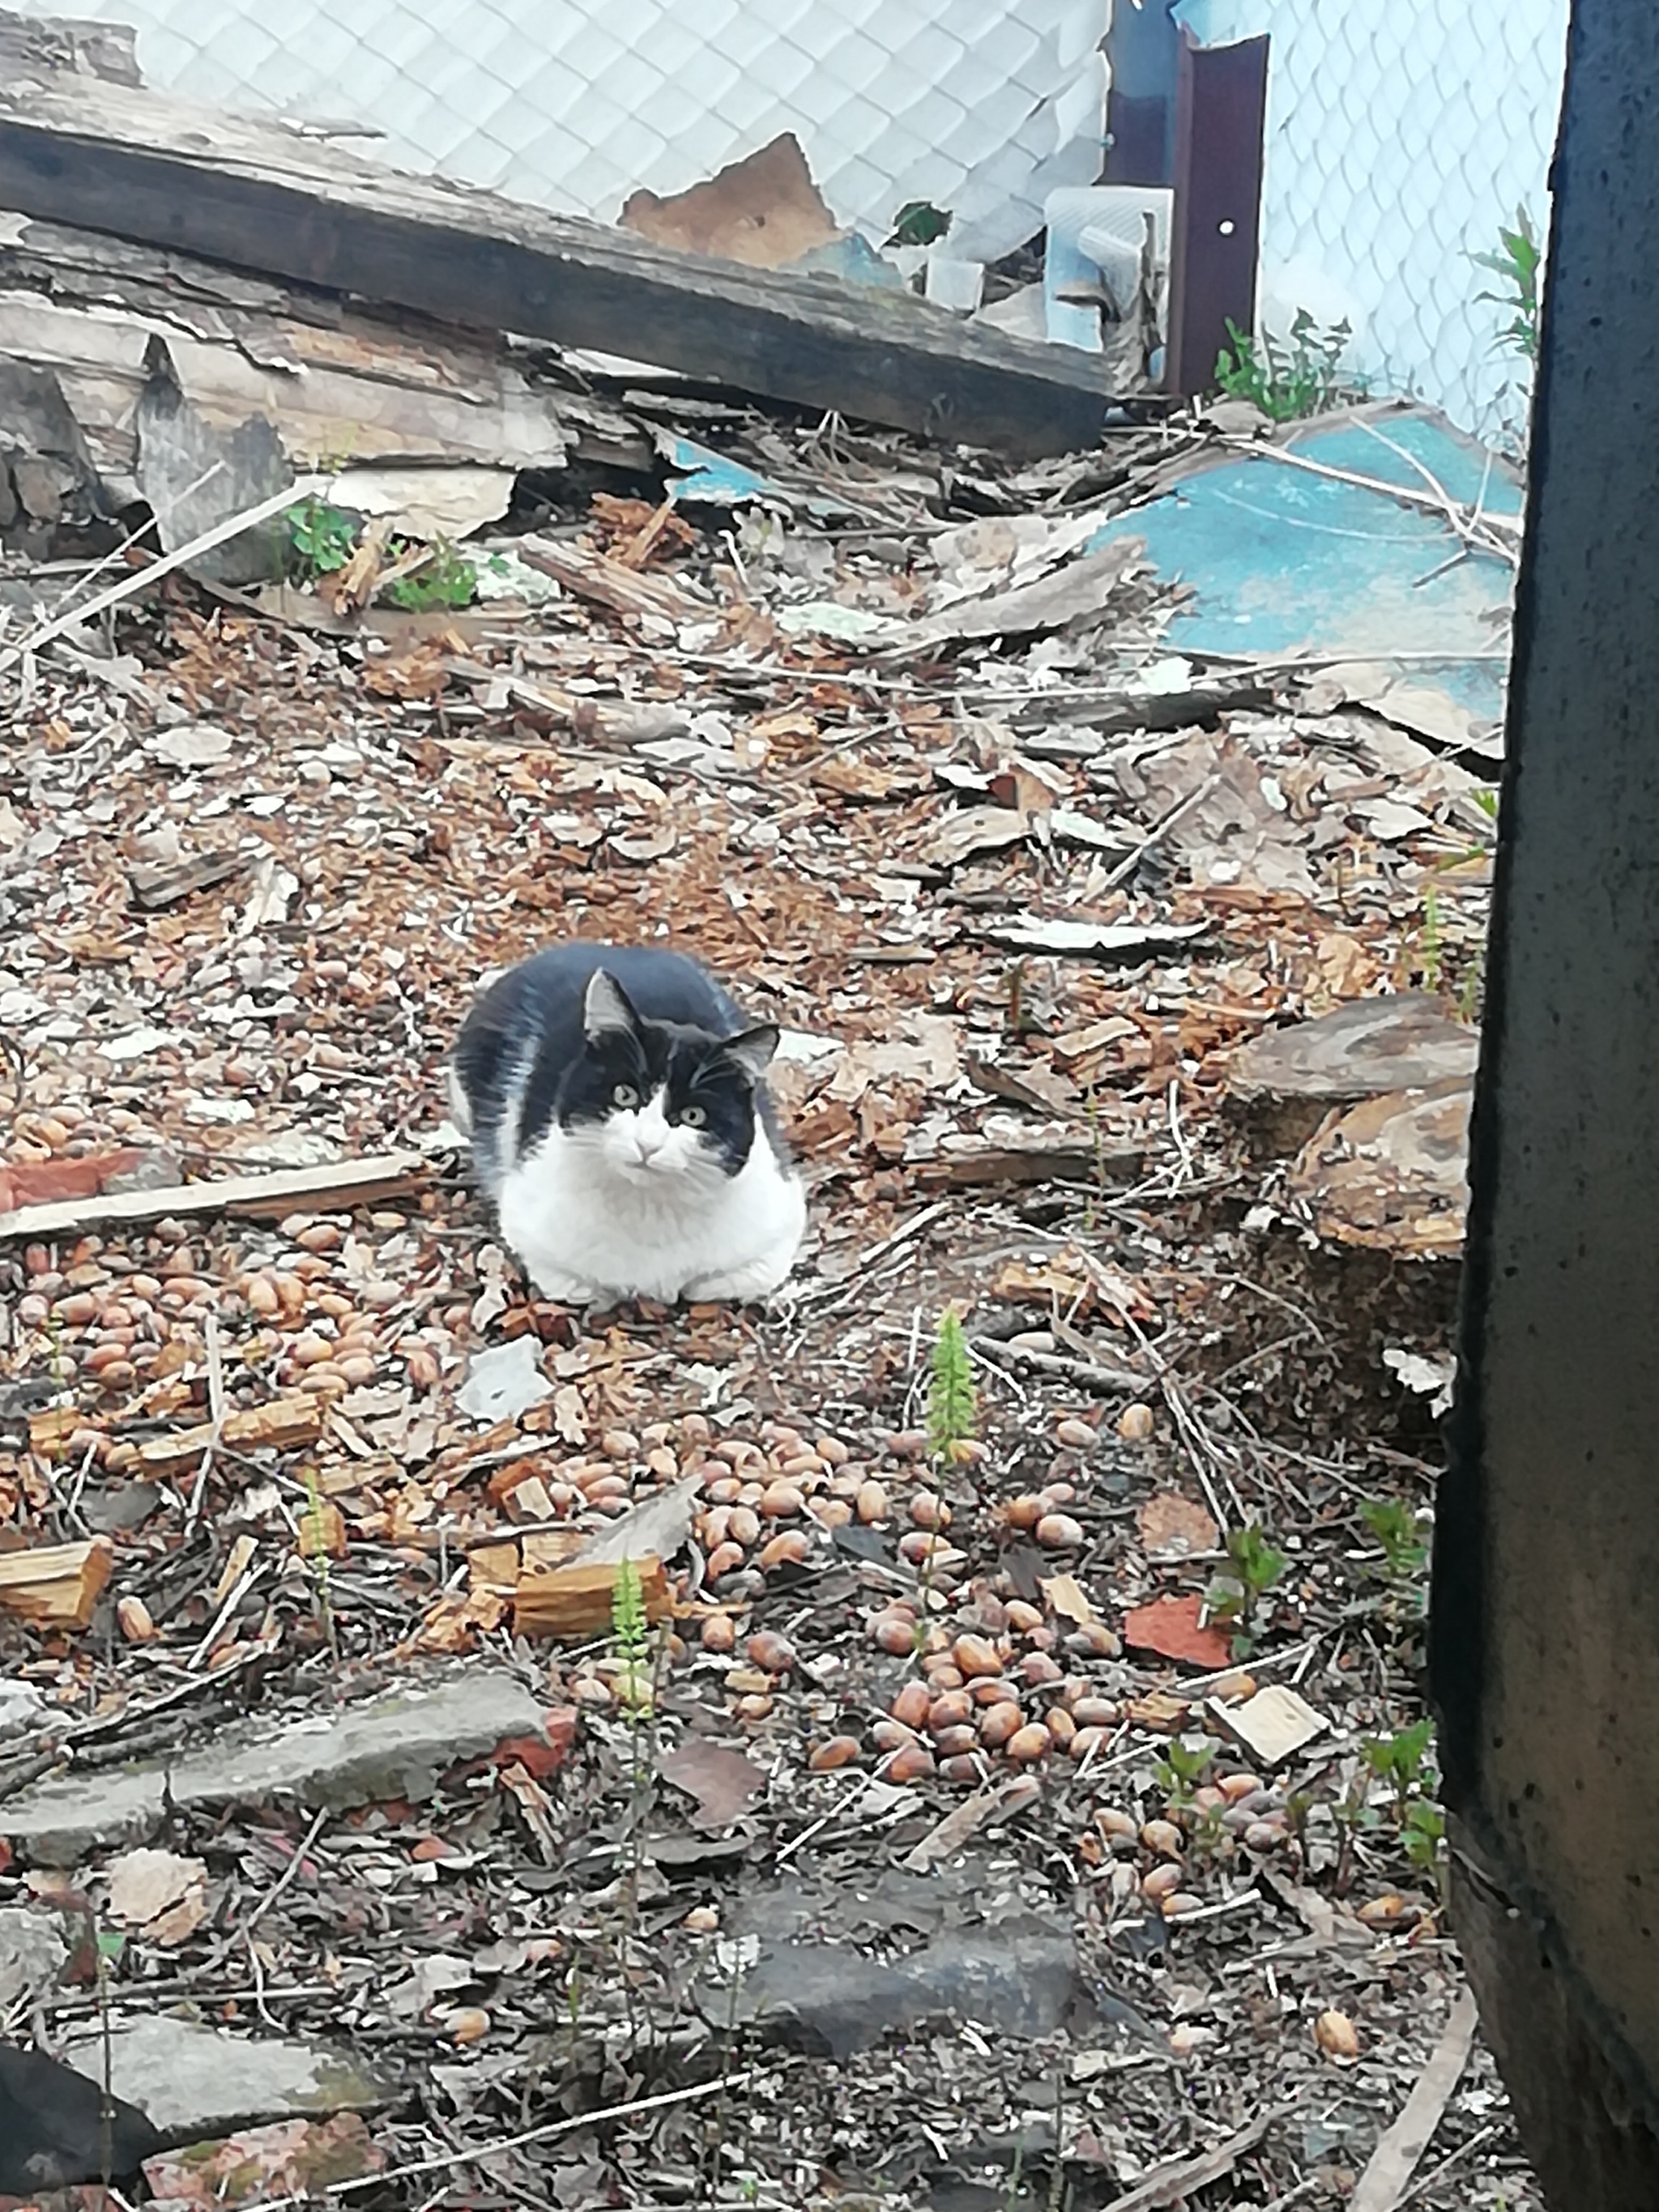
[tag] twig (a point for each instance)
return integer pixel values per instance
(879, 1251)
(215, 1383)
(1094, 1374)
(288, 1873)
(1439, 506)
(1177, 2179)
(1136, 854)
(442, 2161)
(1430, 2180)
(308, 487)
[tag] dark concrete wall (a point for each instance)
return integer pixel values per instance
(1544, 1639)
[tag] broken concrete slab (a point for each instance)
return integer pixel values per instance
(32, 1953)
(1286, 1080)
(829, 1999)
(393, 1746)
(194, 2082)
(1391, 1174)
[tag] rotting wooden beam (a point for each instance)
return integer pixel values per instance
(141, 165)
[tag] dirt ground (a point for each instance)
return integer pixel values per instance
(706, 1943)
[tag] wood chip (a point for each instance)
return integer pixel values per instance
(1387, 2175)
(570, 1602)
(285, 1423)
(1271, 1725)
(55, 1585)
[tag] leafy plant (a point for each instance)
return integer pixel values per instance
(1429, 963)
(1517, 262)
(1290, 377)
(1401, 1760)
(322, 538)
(1182, 1768)
(952, 1401)
(1423, 1832)
(919, 222)
(630, 1639)
(1396, 1528)
(1253, 1568)
(313, 1545)
(444, 579)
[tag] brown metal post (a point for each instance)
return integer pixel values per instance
(1221, 109)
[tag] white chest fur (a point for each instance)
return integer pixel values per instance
(585, 1223)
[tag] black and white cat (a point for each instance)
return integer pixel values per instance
(614, 1101)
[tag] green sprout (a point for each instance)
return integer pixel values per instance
(1254, 1567)
(322, 538)
(952, 1402)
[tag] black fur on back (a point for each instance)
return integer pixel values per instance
(524, 1058)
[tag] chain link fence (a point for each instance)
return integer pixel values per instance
(1401, 134)
(982, 106)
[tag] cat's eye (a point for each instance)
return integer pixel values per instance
(624, 1095)
(693, 1117)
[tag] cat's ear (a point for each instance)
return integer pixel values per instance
(752, 1049)
(605, 1010)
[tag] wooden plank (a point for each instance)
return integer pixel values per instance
(341, 1184)
(55, 1585)
(247, 191)
(285, 1423)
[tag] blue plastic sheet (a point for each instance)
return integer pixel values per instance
(1283, 562)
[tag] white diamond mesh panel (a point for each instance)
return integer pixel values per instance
(1401, 134)
(982, 106)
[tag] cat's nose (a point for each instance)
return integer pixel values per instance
(648, 1145)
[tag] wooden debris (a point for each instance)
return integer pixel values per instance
(1177, 2179)
(1271, 1725)
(261, 197)
(612, 584)
(284, 1423)
(1391, 1174)
(341, 1184)
(573, 1601)
(1390, 2169)
(55, 1585)
(1283, 1083)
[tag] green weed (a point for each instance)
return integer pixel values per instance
(1401, 1761)
(1253, 1568)
(322, 538)
(1396, 1528)
(1288, 377)
(1182, 1768)
(444, 579)
(1517, 263)
(952, 1401)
